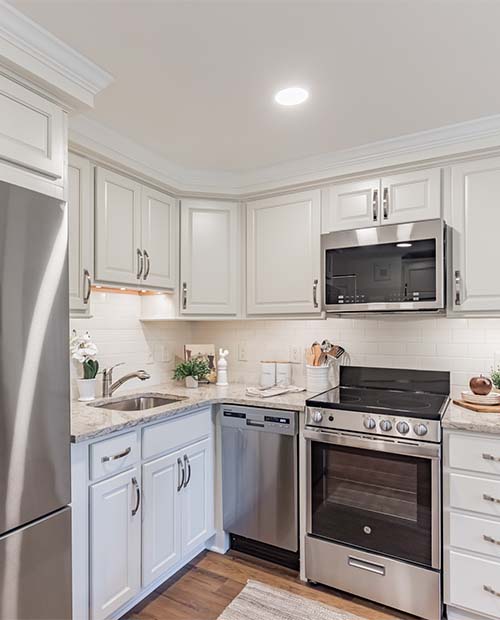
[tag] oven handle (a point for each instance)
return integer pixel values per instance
(371, 567)
(427, 451)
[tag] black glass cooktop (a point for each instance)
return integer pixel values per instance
(387, 391)
(389, 402)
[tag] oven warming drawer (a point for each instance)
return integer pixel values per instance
(396, 584)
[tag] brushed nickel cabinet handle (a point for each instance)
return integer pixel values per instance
(315, 293)
(140, 264)
(375, 205)
(491, 591)
(115, 457)
(490, 539)
(490, 457)
(180, 469)
(385, 203)
(184, 295)
(88, 282)
(458, 283)
(188, 464)
(148, 264)
(137, 496)
(489, 498)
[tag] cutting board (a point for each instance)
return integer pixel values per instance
(478, 408)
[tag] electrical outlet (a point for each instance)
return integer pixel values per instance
(295, 354)
(242, 352)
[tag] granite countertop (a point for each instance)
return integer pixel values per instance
(88, 422)
(459, 418)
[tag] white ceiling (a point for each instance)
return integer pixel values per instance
(194, 81)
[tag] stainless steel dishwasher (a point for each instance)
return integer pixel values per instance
(260, 481)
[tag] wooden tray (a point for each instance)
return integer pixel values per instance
(478, 408)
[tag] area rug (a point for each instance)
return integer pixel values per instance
(260, 602)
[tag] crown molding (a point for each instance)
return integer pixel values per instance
(106, 145)
(440, 143)
(432, 146)
(36, 55)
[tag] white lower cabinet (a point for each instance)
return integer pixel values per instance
(197, 496)
(115, 543)
(472, 526)
(177, 508)
(144, 518)
(161, 540)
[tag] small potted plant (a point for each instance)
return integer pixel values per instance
(192, 371)
(495, 378)
(84, 351)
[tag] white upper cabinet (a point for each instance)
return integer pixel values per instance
(354, 205)
(283, 254)
(411, 196)
(80, 252)
(475, 219)
(395, 199)
(118, 229)
(32, 130)
(159, 238)
(210, 257)
(136, 233)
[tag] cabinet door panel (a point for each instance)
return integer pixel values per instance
(161, 540)
(210, 257)
(411, 196)
(115, 544)
(475, 208)
(159, 238)
(32, 131)
(118, 228)
(197, 496)
(80, 250)
(283, 254)
(354, 205)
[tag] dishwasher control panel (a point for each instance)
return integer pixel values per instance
(260, 418)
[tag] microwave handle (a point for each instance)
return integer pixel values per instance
(375, 205)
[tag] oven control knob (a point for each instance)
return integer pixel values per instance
(317, 416)
(403, 427)
(369, 423)
(420, 429)
(386, 425)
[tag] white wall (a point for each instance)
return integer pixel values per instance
(115, 328)
(466, 347)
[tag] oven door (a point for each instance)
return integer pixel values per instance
(378, 495)
(395, 267)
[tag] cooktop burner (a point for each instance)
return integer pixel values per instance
(390, 402)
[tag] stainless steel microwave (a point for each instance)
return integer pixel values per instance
(385, 268)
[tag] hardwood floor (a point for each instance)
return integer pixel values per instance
(204, 588)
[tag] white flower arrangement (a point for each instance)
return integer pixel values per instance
(83, 350)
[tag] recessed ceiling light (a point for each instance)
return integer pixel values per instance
(403, 245)
(291, 96)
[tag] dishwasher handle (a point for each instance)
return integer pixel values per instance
(253, 423)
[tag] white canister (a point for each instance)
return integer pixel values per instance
(283, 374)
(267, 374)
(322, 378)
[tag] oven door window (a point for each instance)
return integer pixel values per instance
(373, 500)
(382, 273)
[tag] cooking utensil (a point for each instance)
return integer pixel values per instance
(316, 349)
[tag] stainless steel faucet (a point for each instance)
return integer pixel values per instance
(108, 387)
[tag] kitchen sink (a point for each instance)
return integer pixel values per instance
(138, 403)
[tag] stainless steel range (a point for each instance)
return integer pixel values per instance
(373, 471)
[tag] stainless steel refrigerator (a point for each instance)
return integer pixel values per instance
(35, 519)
